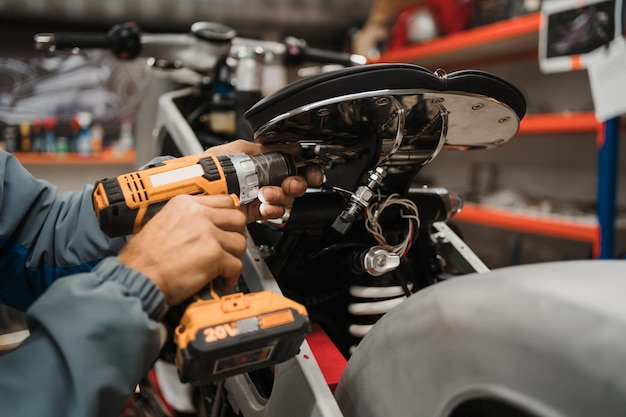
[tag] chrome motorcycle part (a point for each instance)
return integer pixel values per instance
(213, 32)
(249, 69)
(377, 261)
(486, 109)
(400, 123)
(358, 201)
(298, 53)
(369, 303)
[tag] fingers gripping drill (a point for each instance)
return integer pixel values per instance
(217, 336)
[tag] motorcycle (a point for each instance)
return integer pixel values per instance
(407, 320)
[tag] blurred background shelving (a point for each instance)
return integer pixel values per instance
(510, 48)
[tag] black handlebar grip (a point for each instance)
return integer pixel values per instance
(69, 40)
(124, 40)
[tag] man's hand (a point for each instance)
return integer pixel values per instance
(191, 241)
(272, 200)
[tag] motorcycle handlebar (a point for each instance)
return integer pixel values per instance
(297, 52)
(124, 40)
(45, 41)
(127, 42)
(331, 57)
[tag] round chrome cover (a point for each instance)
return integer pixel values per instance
(401, 129)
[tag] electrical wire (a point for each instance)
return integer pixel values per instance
(408, 211)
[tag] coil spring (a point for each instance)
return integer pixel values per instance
(369, 304)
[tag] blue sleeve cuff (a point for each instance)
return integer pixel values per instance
(137, 284)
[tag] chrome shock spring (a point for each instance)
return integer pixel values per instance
(371, 302)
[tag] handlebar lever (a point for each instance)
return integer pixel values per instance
(298, 52)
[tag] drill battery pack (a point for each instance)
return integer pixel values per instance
(238, 333)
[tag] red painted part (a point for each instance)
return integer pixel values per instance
(330, 360)
(157, 388)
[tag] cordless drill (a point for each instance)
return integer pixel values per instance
(123, 204)
(218, 336)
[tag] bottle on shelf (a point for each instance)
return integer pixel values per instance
(83, 142)
(25, 137)
(97, 139)
(50, 137)
(3, 144)
(62, 145)
(126, 141)
(10, 138)
(74, 133)
(38, 138)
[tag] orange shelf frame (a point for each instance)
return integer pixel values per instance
(106, 157)
(571, 230)
(559, 123)
(507, 39)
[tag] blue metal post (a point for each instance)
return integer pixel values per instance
(608, 161)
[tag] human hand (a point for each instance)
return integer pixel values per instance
(191, 241)
(272, 200)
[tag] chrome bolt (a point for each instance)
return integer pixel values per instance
(265, 250)
(441, 73)
(323, 112)
(382, 101)
(380, 261)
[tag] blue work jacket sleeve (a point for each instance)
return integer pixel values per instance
(44, 236)
(93, 337)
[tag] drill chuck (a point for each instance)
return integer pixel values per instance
(260, 170)
(125, 203)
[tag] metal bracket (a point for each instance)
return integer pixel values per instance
(456, 251)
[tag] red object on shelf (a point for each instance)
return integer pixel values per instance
(37, 125)
(50, 123)
(517, 37)
(400, 32)
(449, 16)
